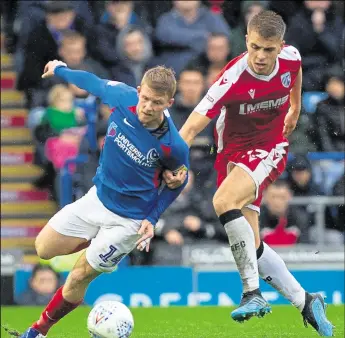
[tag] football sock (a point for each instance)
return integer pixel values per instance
(273, 270)
(57, 308)
(242, 243)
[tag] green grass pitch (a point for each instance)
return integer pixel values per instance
(192, 322)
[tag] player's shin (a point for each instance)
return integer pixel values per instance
(242, 243)
(273, 270)
(68, 297)
(57, 308)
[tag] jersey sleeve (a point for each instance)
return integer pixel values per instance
(292, 54)
(111, 93)
(177, 160)
(218, 93)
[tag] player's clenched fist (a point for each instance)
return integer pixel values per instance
(174, 181)
(146, 232)
(50, 68)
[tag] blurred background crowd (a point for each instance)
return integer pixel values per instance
(119, 40)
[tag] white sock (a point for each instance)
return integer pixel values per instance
(273, 270)
(242, 243)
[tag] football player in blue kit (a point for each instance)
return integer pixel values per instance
(121, 209)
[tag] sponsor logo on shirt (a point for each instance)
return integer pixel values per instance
(249, 108)
(151, 159)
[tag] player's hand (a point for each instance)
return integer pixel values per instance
(49, 68)
(146, 232)
(174, 181)
(290, 123)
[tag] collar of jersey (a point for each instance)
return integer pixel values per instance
(263, 77)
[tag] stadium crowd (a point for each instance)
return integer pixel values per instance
(119, 40)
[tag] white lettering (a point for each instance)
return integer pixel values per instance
(337, 298)
(224, 299)
(165, 299)
(196, 298)
(140, 299)
(248, 108)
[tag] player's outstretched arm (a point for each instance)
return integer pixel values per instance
(292, 116)
(84, 80)
(195, 124)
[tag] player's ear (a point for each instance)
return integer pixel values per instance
(138, 89)
(171, 102)
(282, 44)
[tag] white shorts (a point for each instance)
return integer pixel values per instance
(113, 236)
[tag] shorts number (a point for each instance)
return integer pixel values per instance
(111, 262)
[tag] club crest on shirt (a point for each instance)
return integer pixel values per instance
(152, 156)
(286, 79)
(112, 129)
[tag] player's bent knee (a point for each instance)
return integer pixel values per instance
(43, 250)
(222, 205)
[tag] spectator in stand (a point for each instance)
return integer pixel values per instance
(183, 32)
(238, 34)
(217, 54)
(316, 31)
(190, 89)
(211, 76)
(31, 12)
(119, 14)
(43, 284)
(330, 114)
(60, 115)
(134, 51)
(73, 51)
(282, 224)
(43, 45)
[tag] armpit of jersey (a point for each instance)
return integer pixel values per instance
(290, 53)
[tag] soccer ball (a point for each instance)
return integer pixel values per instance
(110, 319)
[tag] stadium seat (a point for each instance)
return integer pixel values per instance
(311, 99)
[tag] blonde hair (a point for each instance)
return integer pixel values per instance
(161, 79)
(55, 93)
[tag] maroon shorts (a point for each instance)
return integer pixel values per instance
(264, 165)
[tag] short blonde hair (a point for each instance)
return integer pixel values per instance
(161, 79)
(56, 92)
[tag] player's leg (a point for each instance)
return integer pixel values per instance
(50, 243)
(272, 268)
(66, 299)
(237, 190)
(274, 271)
(115, 239)
(68, 231)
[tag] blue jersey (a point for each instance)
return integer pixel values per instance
(128, 178)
